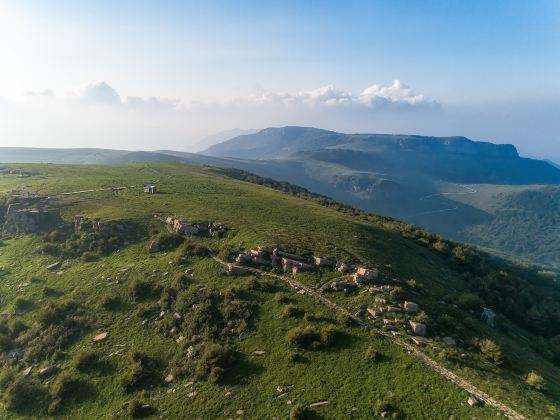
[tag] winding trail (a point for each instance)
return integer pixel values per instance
(469, 190)
(462, 383)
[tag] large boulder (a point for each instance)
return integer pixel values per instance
(418, 328)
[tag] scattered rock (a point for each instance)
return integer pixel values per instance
(449, 340)
(191, 394)
(54, 266)
(100, 337)
(169, 378)
(418, 328)
(318, 404)
(473, 401)
(27, 371)
(47, 371)
(411, 307)
(154, 247)
(259, 352)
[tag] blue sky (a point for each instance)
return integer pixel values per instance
(490, 67)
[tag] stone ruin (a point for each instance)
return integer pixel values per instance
(186, 227)
(27, 213)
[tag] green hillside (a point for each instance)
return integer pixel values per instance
(251, 346)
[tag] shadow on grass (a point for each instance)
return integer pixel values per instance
(241, 372)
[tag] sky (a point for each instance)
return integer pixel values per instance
(141, 74)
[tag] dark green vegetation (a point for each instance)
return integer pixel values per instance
(184, 340)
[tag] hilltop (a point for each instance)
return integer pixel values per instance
(123, 331)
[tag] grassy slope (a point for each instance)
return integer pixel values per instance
(257, 215)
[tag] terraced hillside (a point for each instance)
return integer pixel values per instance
(96, 326)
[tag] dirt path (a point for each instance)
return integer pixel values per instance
(471, 389)
(96, 190)
(467, 190)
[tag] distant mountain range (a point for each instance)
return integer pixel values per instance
(476, 192)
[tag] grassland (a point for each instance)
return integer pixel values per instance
(341, 373)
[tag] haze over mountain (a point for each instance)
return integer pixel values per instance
(471, 191)
(476, 192)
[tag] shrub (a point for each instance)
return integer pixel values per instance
(491, 351)
(383, 408)
(168, 240)
(139, 289)
(372, 354)
(396, 293)
(412, 283)
(22, 304)
(87, 362)
(441, 247)
(49, 292)
(469, 301)
(136, 374)
(291, 311)
(180, 281)
(67, 389)
(136, 409)
(299, 412)
(311, 338)
(24, 396)
(214, 362)
(89, 256)
(423, 318)
(192, 248)
(345, 320)
(536, 381)
(110, 302)
(227, 252)
(6, 343)
(7, 376)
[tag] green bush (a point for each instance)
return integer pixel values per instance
(22, 304)
(215, 360)
(90, 256)
(300, 412)
(7, 376)
(67, 389)
(6, 343)
(192, 248)
(88, 361)
(311, 338)
(110, 302)
(536, 381)
(372, 354)
(227, 252)
(136, 409)
(292, 311)
(26, 397)
(180, 281)
(491, 351)
(345, 319)
(169, 240)
(139, 289)
(470, 301)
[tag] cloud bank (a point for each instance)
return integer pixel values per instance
(374, 96)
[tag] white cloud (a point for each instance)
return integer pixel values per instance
(151, 103)
(98, 93)
(396, 94)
